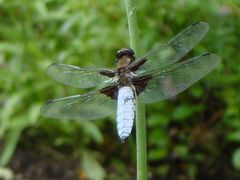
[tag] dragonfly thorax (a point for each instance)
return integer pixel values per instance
(125, 51)
(124, 76)
(124, 57)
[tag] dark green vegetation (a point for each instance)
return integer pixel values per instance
(195, 135)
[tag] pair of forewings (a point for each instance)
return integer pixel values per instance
(168, 78)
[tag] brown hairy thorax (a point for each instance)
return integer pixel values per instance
(124, 61)
(124, 57)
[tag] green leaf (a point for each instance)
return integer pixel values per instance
(6, 173)
(33, 113)
(157, 120)
(92, 131)
(181, 150)
(233, 136)
(92, 167)
(197, 91)
(185, 111)
(10, 145)
(158, 137)
(157, 153)
(182, 112)
(236, 159)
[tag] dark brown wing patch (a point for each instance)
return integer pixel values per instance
(110, 91)
(107, 73)
(140, 83)
(136, 65)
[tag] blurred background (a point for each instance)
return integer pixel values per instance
(195, 135)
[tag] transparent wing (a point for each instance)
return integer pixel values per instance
(177, 78)
(175, 49)
(78, 77)
(81, 107)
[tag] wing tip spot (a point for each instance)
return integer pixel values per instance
(45, 107)
(203, 25)
(195, 23)
(213, 56)
(206, 54)
(49, 101)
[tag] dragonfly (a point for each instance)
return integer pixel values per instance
(158, 75)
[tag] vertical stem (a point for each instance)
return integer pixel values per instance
(132, 25)
(141, 142)
(140, 111)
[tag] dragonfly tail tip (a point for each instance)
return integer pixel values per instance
(123, 139)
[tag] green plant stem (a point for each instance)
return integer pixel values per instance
(140, 110)
(141, 142)
(132, 25)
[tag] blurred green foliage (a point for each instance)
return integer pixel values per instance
(195, 135)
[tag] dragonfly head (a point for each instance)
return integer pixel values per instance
(124, 56)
